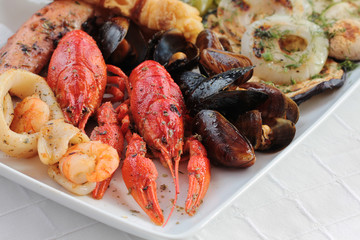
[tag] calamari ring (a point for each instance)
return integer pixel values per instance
(22, 83)
(55, 138)
(284, 49)
(79, 189)
(8, 109)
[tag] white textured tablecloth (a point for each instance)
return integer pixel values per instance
(314, 193)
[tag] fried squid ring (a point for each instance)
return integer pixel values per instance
(8, 109)
(284, 49)
(79, 189)
(55, 138)
(22, 83)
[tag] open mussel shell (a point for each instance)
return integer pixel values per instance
(171, 50)
(188, 81)
(277, 105)
(232, 103)
(111, 34)
(250, 125)
(225, 145)
(214, 85)
(137, 49)
(277, 134)
(214, 61)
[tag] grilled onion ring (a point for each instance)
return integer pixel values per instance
(22, 83)
(285, 49)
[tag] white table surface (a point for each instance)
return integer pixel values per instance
(314, 193)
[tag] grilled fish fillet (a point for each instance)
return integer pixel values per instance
(30, 48)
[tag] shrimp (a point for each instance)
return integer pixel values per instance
(89, 162)
(285, 50)
(235, 16)
(30, 115)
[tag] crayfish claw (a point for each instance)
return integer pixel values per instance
(199, 175)
(140, 174)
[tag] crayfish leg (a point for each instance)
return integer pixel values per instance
(140, 174)
(108, 132)
(100, 188)
(199, 175)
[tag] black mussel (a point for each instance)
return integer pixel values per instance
(232, 103)
(136, 47)
(214, 61)
(292, 111)
(208, 39)
(214, 85)
(277, 105)
(171, 50)
(226, 44)
(188, 81)
(111, 34)
(120, 40)
(250, 125)
(277, 134)
(225, 145)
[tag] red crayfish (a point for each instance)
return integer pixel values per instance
(78, 76)
(157, 109)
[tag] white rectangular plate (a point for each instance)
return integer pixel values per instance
(117, 208)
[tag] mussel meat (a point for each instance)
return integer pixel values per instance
(277, 134)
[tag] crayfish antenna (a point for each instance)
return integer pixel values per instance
(176, 182)
(165, 159)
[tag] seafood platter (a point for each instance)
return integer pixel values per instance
(152, 116)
